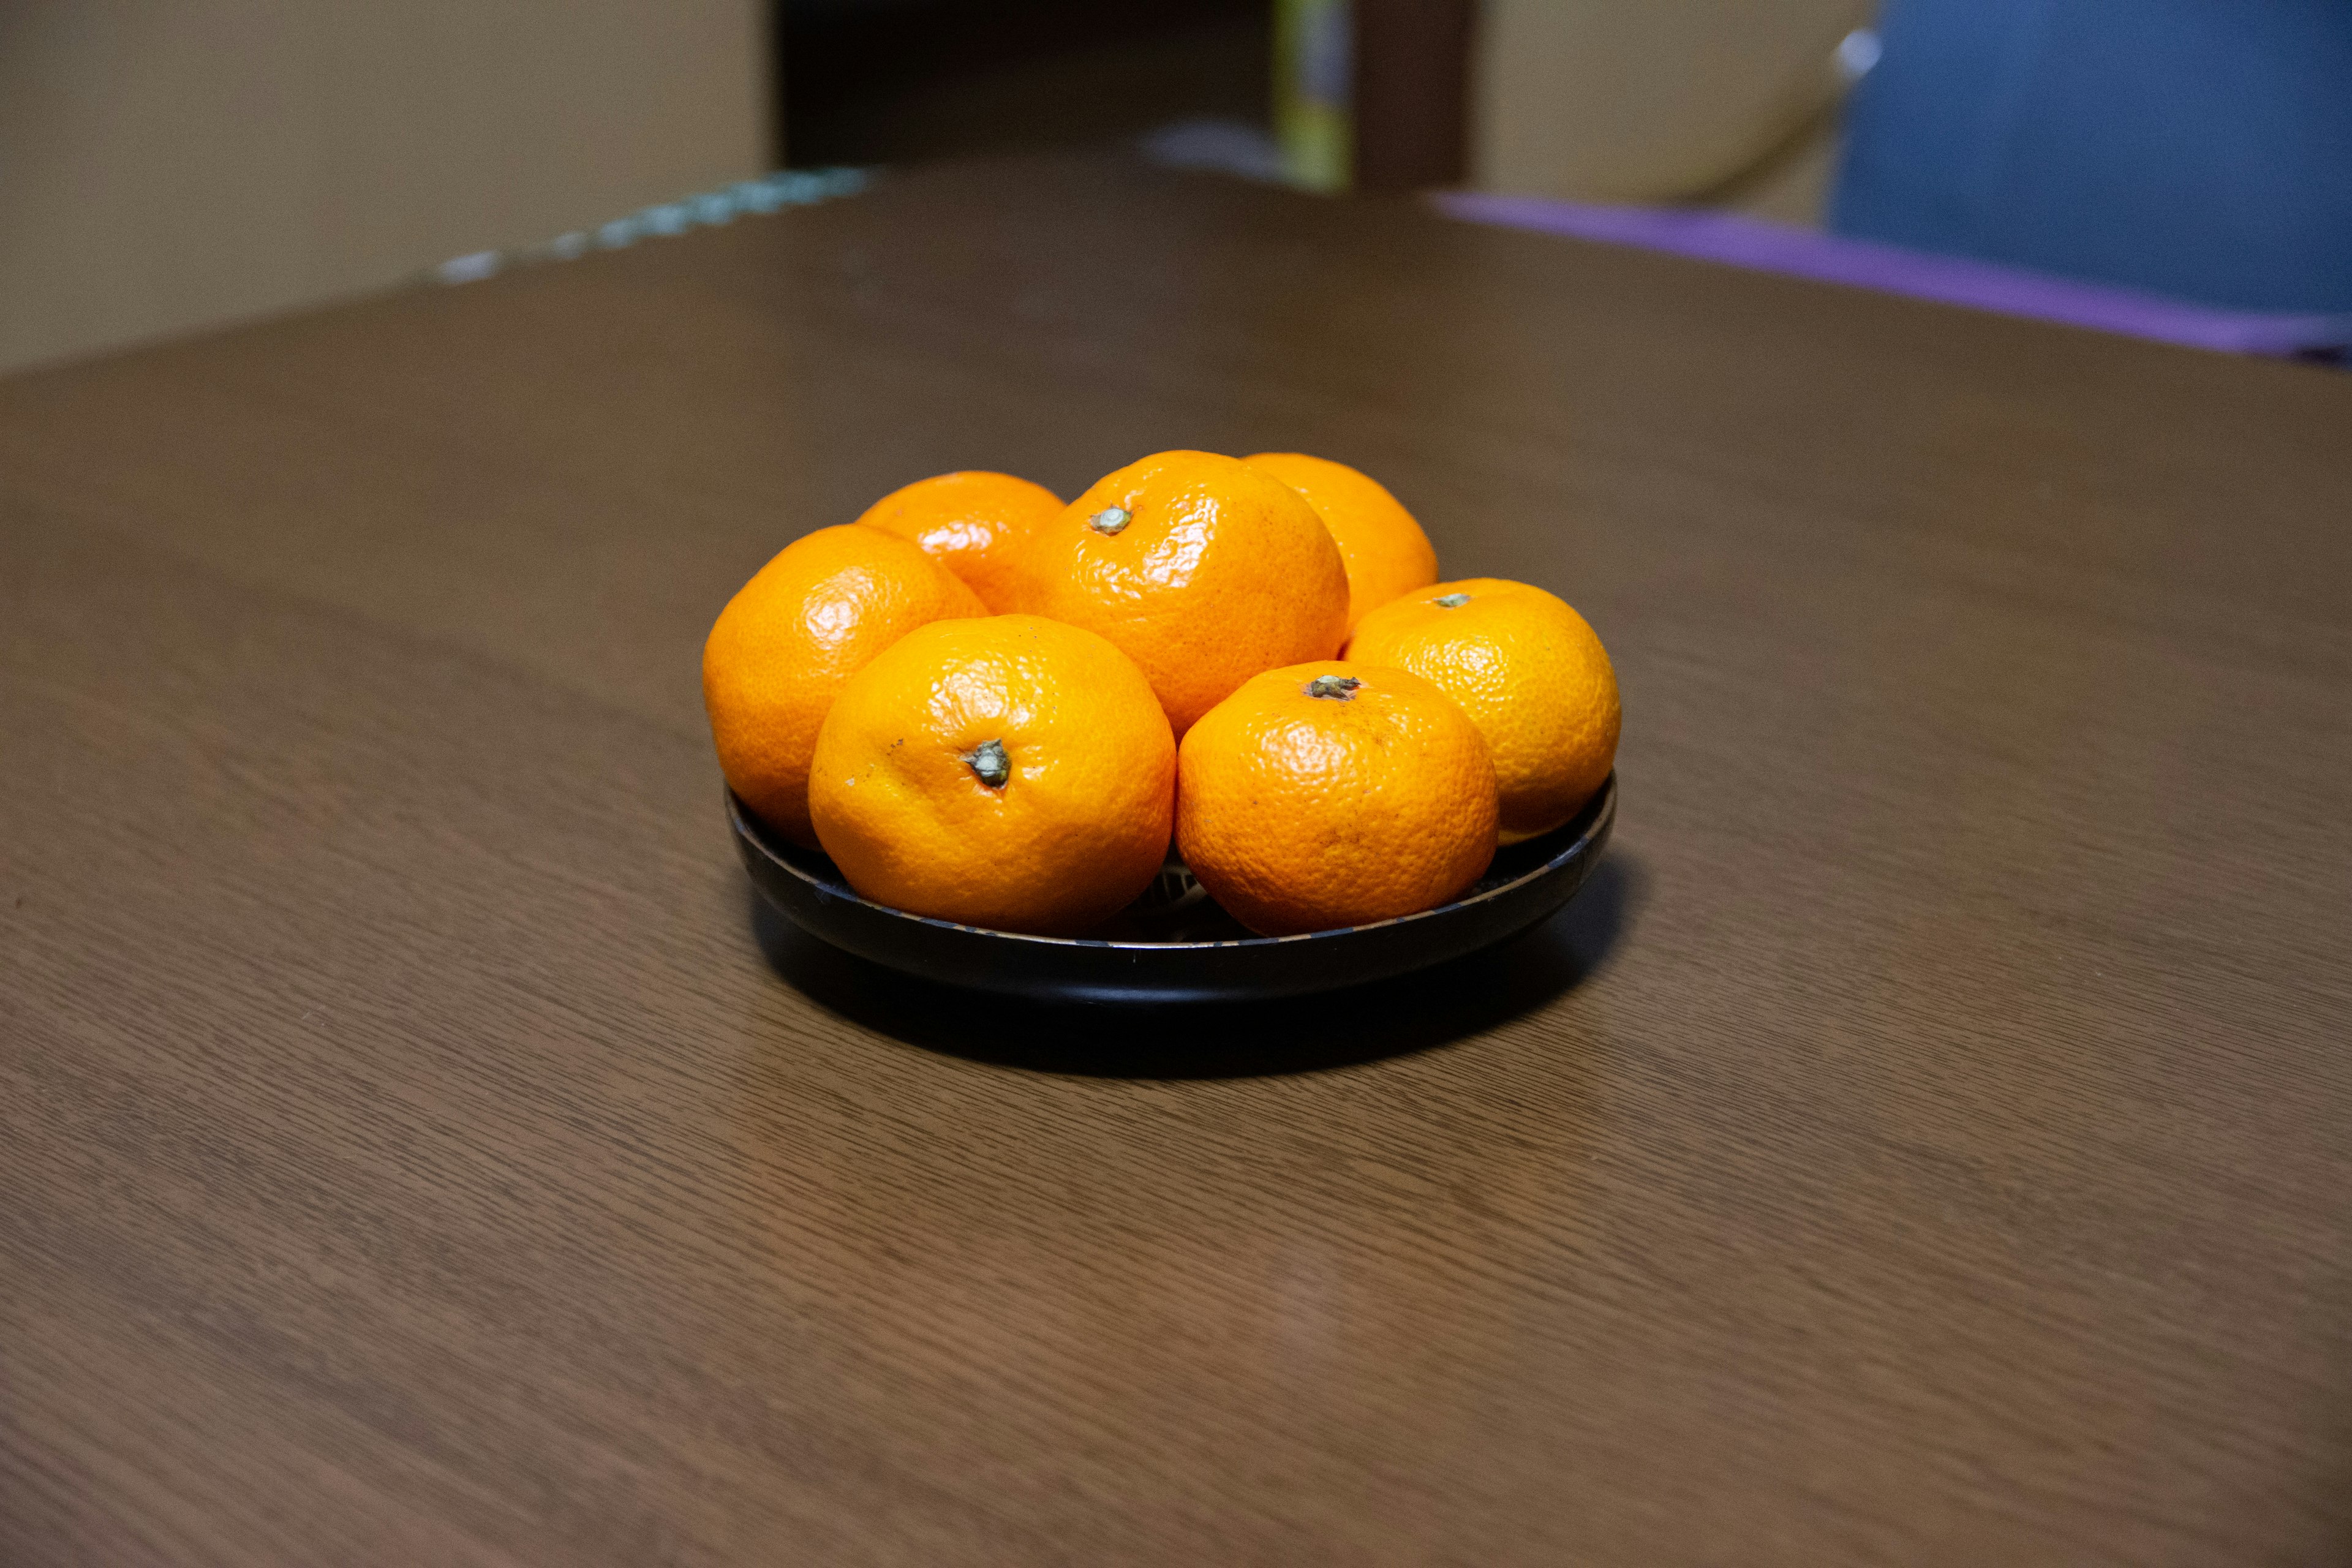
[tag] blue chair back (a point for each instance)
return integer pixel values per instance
(2196, 148)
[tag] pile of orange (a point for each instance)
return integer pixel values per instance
(988, 707)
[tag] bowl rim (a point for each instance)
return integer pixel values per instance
(1587, 826)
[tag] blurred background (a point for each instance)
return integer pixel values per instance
(166, 167)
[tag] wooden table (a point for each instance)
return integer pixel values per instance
(1929, 1141)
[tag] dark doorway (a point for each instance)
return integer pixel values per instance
(872, 82)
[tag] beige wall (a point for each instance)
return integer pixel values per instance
(169, 164)
(1648, 100)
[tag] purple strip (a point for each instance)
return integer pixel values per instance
(1739, 241)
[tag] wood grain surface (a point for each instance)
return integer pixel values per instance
(1930, 1142)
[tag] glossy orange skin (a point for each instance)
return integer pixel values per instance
(1217, 572)
(1386, 553)
(1530, 673)
(1302, 812)
(791, 638)
(1077, 826)
(970, 523)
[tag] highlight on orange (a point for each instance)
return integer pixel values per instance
(1529, 672)
(1202, 570)
(970, 521)
(1014, 772)
(1331, 795)
(789, 641)
(1386, 553)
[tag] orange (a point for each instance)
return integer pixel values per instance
(1386, 553)
(1011, 773)
(791, 638)
(1199, 568)
(969, 522)
(1334, 794)
(1529, 672)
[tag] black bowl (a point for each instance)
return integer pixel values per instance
(1174, 945)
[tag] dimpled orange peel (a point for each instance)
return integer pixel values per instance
(1530, 673)
(1333, 793)
(1386, 553)
(971, 522)
(1202, 568)
(1012, 772)
(791, 638)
